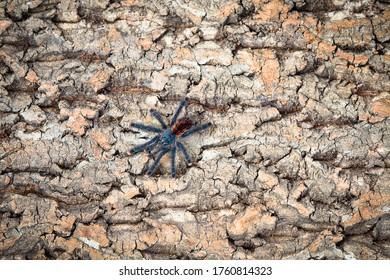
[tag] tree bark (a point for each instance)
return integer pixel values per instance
(295, 165)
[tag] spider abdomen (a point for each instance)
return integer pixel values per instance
(182, 126)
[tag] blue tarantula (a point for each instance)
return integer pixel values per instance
(168, 138)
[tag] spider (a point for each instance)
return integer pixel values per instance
(168, 138)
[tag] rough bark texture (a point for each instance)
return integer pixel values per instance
(295, 166)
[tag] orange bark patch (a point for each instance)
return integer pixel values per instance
(128, 2)
(77, 123)
(7, 180)
(241, 224)
(292, 19)
(170, 234)
(270, 72)
(220, 15)
(317, 242)
(249, 59)
(361, 59)
(149, 238)
(311, 21)
(368, 207)
(114, 34)
(345, 55)
(348, 23)
(145, 43)
(69, 245)
(99, 80)
(325, 50)
(102, 139)
(65, 224)
(381, 107)
(77, 120)
(267, 180)
(228, 9)
(92, 232)
(13, 62)
(4, 24)
(271, 11)
(86, 112)
(254, 220)
(32, 76)
(7, 243)
(323, 240)
(181, 53)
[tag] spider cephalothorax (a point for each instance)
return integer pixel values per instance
(167, 138)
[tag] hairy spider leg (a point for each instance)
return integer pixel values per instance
(173, 164)
(145, 127)
(195, 129)
(158, 117)
(155, 163)
(141, 147)
(151, 146)
(185, 153)
(183, 103)
(162, 147)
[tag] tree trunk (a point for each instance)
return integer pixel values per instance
(294, 166)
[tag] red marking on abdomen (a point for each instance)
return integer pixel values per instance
(182, 125)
